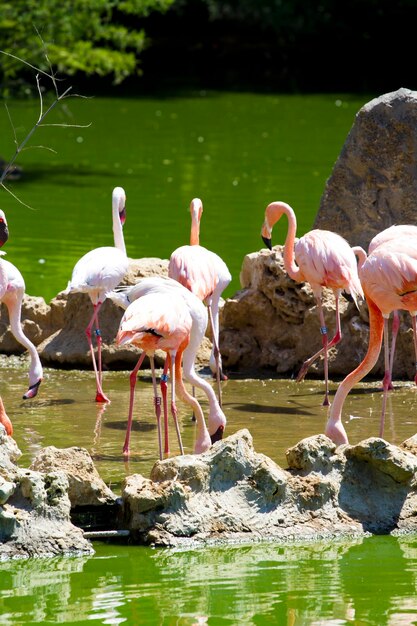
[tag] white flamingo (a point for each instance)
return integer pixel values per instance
(12, 298)
(98, 272)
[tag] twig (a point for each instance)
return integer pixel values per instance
(42, 114)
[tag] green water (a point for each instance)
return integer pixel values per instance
(237, 152)
(364, 582)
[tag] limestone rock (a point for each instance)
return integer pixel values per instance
(231, 493)
(34, 511)
(373, 183)
(85, 486)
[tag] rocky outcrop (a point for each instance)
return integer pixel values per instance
(231, 493)
(373, 184)
(34, 510)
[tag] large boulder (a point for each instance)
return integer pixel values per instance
(373, 184)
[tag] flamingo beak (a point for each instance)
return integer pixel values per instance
(4, 231)
(218, 435)
(268, 242)
(122, 216)
(32, 391)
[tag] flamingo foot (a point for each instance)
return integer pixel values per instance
(218, 435)
(32, 391)
(326, 401)
(101, 397)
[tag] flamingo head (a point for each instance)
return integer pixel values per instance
(119, 199)
(273, 212)
(4, 231)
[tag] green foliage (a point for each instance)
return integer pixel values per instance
(87, 36)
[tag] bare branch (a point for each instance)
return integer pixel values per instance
(42, 113)
(16, 198)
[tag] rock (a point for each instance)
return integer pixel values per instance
(35, 511)
(231, 493)
(66, 344)
(85, 486)
(373, 183)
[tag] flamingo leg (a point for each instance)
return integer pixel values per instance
(323, 331)
(100, 395)
(413, 321)
(216, 353)
(394, 333)
(336, 339)
(157, 403)
(174, 410)
(387, 377)
(164, 380)
(132, 378)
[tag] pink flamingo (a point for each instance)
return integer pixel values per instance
(206, 275)
(389, 280)
(98, 272)
(125, 295)
(393, 232)
(12, 298)
(323, 259)
(161, 320)
(4, 235)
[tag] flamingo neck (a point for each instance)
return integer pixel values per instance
(119, 240)
(290, 265)
(376, 328)
(195, 210)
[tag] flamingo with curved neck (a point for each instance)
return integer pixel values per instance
(323, 259)
(389, 279)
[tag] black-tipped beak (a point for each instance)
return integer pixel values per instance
(267, 242)
(122, 216)
(4, 232)
(218, 435)
(32, 391)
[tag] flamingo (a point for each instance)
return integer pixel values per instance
(161, 320)
(4, 235)
(323, 259)
(393, 232)
(98, 272)
(12, 298)
(389, 279)
(206, 275)
(4, 419)
(125, 295)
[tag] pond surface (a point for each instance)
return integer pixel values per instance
(369, 581)
(237, 152)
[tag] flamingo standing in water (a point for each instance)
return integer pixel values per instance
(389, 234)
(12, 298)
(98, 272)
(323, 259)
(161, 320)
(389, 279)
(4, 235)
(206, 275)
(125, 295)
